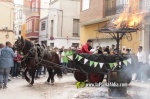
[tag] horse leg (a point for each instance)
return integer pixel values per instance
(52, 76)
(33, 76)
(25, 75)
(49, 75)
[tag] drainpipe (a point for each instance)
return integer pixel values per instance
(57, 23)
(61, 22)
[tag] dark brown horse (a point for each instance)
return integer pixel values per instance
(31, 60)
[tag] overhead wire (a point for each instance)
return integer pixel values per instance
(28, 7)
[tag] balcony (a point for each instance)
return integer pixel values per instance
(32, 12)
(115, 10)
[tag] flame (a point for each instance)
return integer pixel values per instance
(131, 16)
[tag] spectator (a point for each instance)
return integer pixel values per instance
(38, 72)
(107, 50)
(100, 50)
(6, 62)
(141, 61)
(64, 59)
(112, 48)
(85, 48)
(1, 46)
(15, 69)
(70, 53)
(128, 51)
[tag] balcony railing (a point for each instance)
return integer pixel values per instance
(115, 10)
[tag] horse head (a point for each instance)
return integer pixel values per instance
(19, 44)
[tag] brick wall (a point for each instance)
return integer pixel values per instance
(27, 3)
(95, 11)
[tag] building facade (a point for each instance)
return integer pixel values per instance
(95, 14)
(18, 19)
(32, 20)
(61, 26)
(6, 21)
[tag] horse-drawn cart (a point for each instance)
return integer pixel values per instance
(94, 67)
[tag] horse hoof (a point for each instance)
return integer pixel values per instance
(52, 81)
(28, 81)
(30, 85)
(46, 82)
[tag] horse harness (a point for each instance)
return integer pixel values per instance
(35, 52)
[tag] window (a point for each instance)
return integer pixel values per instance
(43, 26)
(20, 14)
(75, 44)
(36, 5)
(75, 27)
(30, 25)
(20, 28)
(15, 30)
(85, 4)
(51, 44)
(52, 25)
(44, 42)
(16, 15)
(36, 25)
(33, 6)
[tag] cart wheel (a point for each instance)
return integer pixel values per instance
(96, 78)
(81, 77)
(129, 79)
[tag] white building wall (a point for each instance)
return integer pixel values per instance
(71, 10)
(45, 8)
(59, 42)
(62, 12)
(104, 42)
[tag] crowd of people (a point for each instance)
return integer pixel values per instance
(87, 48)
(10, 60)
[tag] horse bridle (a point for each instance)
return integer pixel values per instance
(24, 43)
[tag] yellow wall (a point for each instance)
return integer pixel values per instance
(23, 31)
(132, 44)
(6, 20)
(3, 38)
(88, 32)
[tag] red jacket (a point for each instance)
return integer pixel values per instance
(84, 49)
(18, 58)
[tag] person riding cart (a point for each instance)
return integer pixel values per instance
(85, 47)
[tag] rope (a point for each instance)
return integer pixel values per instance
(57, 65)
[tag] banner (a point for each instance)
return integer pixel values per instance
(125, 62)
(101, 65)
(91, 63)
(85, 60)
(129, 60)
(95, 64)
(111, 65)
(79, 58)
(119, 63)
(115, 64)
